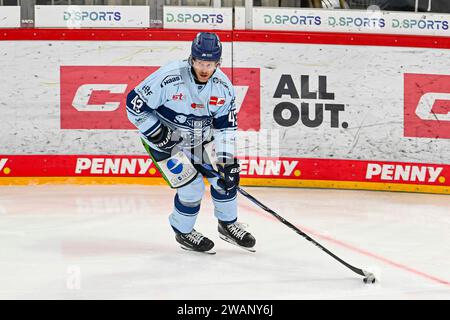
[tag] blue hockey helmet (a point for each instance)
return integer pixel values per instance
(206, 46)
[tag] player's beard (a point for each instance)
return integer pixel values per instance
(203, 76)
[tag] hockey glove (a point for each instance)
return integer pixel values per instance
(229, 175)
(166, 139)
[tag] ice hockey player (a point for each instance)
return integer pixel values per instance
(186, 116)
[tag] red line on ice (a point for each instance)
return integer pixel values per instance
(353, 248)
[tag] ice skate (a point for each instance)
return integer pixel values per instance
(195, 241)
(235, 233)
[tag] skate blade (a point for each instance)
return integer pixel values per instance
(204, 252)
(225, 238)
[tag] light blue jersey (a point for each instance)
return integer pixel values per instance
(200, 112)
(171, 96)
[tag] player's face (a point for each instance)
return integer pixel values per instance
(204, 69)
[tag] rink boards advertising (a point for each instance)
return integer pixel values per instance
(339, 110)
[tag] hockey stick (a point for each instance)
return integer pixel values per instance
(369, 277)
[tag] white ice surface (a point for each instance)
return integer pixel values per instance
(114, 242)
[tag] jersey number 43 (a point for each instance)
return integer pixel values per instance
(232, 118)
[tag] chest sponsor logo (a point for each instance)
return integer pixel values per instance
(197, 106)
(170, 79)
(178, 97)
(217, 101)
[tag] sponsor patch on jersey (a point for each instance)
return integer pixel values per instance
(170, 79)
(197, 106)
(178, 97)
(147, 90)
(217, 101)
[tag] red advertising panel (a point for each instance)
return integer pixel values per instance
(261, 168)
(427, 106)
(94, 97)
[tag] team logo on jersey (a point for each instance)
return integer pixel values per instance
(197, 106)
(180, 119)
(178, 97)
(217, 101)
